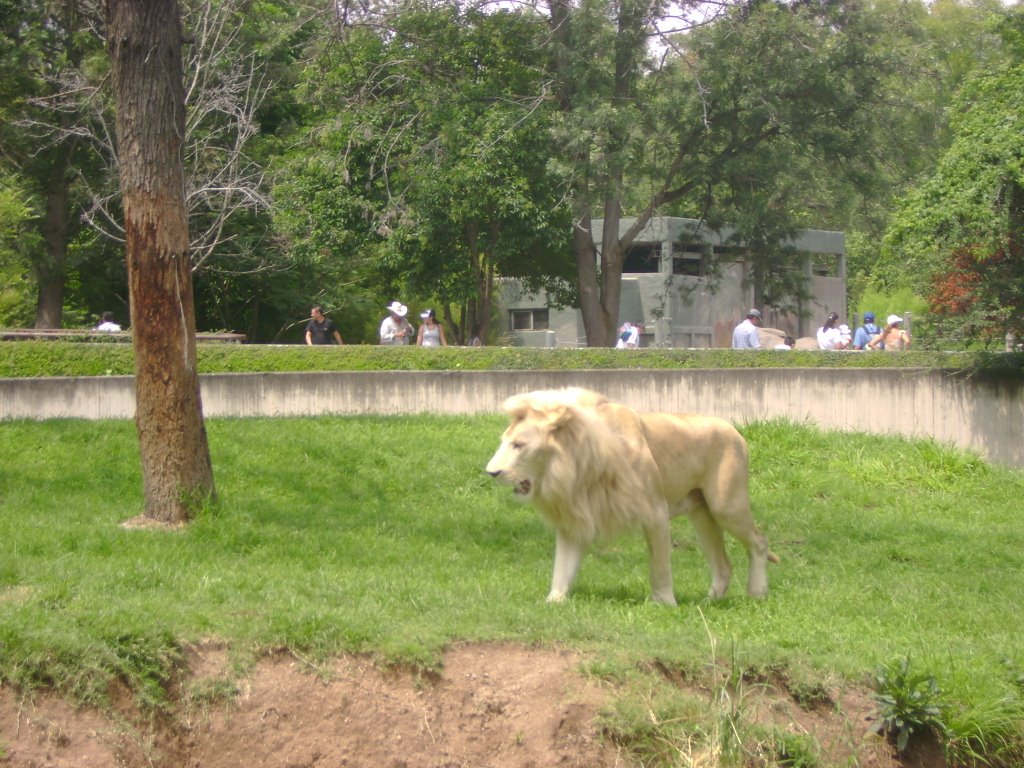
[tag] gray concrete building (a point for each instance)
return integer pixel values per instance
(665, 287)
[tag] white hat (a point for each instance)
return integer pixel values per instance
(844, 329)
(397, 308)
(893, 319)
(426, 313)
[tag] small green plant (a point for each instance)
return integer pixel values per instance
(908, 702)
(794, 750)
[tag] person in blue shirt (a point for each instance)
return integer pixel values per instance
(744, 336)
(866, 332)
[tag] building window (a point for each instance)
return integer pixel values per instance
(825, 265)
(689, 262)
(642, 257)
(529, 319)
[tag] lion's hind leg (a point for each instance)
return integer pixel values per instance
(731, 511)
(712, 544)
(742, 526)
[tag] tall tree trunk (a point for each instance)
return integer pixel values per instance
(49, 267)
(144, 39)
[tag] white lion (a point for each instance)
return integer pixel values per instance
(594, 468)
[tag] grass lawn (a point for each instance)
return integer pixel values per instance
(383, 535)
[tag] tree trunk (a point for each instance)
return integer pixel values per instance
(144, 39)
(49, 268)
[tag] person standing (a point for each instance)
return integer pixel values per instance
(829, 336)
(396, 330)
(892, 338)
(431, 333)
(744, 335)
(629, 336)
(866, 332)
(321, 330)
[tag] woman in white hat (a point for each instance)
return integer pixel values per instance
(892, 338)
(431, 332)
(395, 329)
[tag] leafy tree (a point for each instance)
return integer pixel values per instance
(15, 239)
(935, 47)
(958, 236)
(714, 126)
(43, 48)
(62, 123)
(432, 161)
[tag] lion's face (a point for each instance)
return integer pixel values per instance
(522, 457)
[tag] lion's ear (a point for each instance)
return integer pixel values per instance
(555, 416)
(517, 406)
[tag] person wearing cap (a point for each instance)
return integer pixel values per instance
(431, 332)
(321, 330)
(744, 335)
(892, 338)
(396, 330)
(829, 335)
(866, 332)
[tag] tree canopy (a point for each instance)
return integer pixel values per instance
(348, 155)
(958, 235)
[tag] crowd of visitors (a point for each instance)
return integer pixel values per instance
(396, 330)
(832, 335)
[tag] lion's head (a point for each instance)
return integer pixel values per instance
(535, 438)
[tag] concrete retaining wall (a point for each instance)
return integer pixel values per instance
(971, 413)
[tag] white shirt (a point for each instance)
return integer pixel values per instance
(829, 338)
(390, 327)
(108, 326)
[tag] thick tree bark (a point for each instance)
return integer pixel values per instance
(50, 267)
(144, 41)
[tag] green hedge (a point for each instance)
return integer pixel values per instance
(20, 359)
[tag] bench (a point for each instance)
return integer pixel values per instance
(88, 334)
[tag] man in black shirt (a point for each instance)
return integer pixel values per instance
(320, 330)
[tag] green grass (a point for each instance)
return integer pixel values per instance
(383, 535)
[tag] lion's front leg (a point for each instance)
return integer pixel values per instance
(568, 556)
(659, 547)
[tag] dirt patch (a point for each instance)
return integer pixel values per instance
(489, 706)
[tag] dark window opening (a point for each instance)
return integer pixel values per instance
(642, 257)
(529, 319)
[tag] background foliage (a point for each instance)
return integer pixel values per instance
(351, 156)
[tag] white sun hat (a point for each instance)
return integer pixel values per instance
(893, 319)
(397, 308)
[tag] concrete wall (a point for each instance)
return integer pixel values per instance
(968, 412)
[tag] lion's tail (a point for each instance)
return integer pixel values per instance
(773, 558)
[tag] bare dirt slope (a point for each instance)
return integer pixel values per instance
(491, 706)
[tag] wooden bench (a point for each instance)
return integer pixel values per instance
(88, 334)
